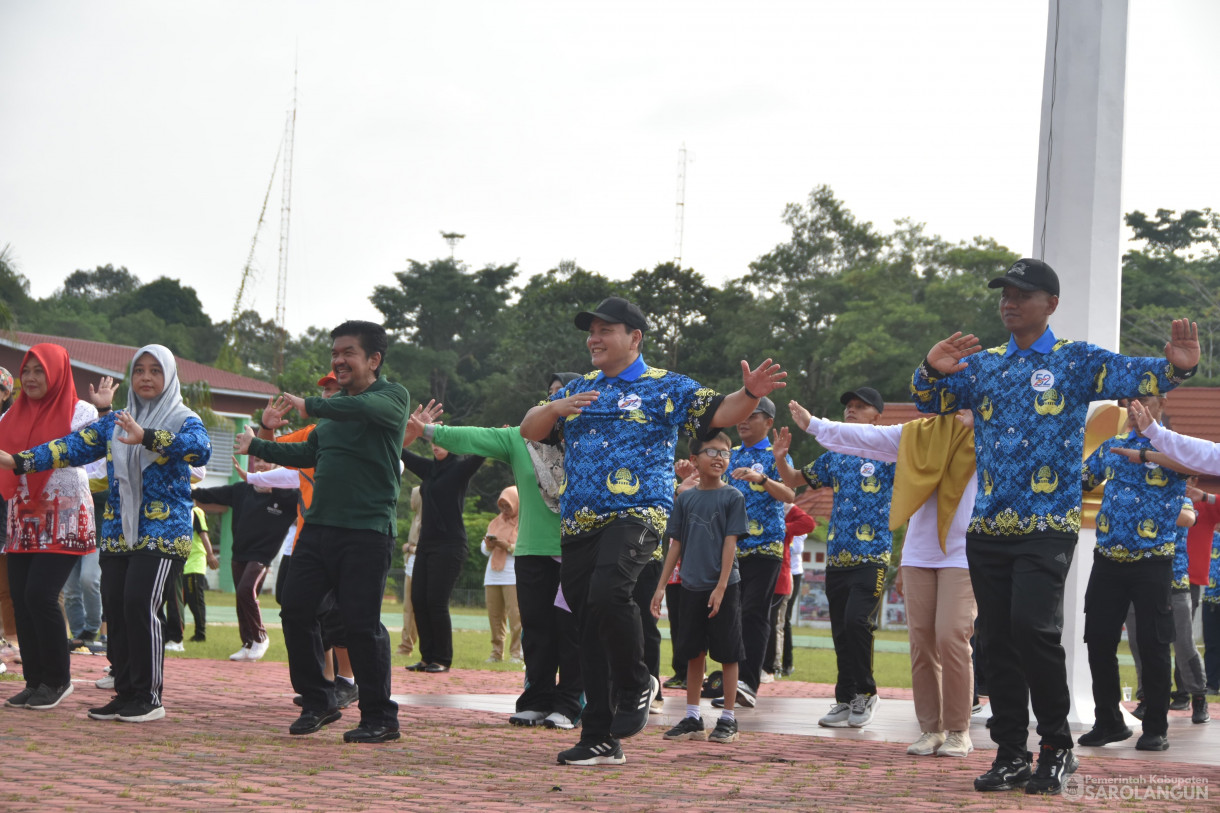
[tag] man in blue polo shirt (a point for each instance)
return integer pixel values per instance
(620, 425)
(1137, 530)
(858, 543)
(753, 472)
(1030, 399)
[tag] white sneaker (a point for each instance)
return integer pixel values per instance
(558, 720)
(242, 654)
(104, 683)
(527, 718)
(258, 649)
(927, 744)
(174, 646)
(657, 706)
(862, 707)
(766, 677)
(957, 744)
(836, 717)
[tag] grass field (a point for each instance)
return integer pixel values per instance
(471, 648)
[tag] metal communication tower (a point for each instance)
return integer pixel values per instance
(452, 238)
(281, 293)
(681, 214)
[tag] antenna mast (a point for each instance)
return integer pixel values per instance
(681, 213)
(281, 293)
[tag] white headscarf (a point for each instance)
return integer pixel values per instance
(166, 411)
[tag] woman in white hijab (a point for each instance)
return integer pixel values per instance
(147, 522)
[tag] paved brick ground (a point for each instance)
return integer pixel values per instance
(225, 745)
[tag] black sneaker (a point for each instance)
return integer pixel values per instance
(690, 728)
(141, 711)
(19, 700)
(311, 721)
(368, 733)
(631, 715)
(1138, 711)
(1054, 765)
(1179, 702)
(1152, 742)
(675, 682)
(725, 731)
(345, 693)
(111, 710)
(1100, 736)
(48, 697)
(1005, 774)
(198, 638)
(1198, 707)
(594, 752)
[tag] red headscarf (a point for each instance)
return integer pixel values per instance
(29, 423)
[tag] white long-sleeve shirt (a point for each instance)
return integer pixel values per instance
(921, 547)
(1195, 454)
(279, 477)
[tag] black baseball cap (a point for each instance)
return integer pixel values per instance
(766, 406)
(1029, 275)
(866, 394)
(616, 310)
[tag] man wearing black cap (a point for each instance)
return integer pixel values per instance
(620, 428)
(1030, 399)
(760, 554)
(858, 543)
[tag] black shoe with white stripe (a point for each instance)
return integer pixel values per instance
(631, 716)
(595, 752)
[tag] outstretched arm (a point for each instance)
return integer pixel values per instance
(762, 380)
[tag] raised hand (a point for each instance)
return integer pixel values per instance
(297, 403)
(781, 441)
(273, 414)
(684, 468)
(420, 418)
(800, 416)
(240, 471)
(133, 433)
(241, 443)
(575, 404)
(103, 396)
(946, 356)
(1140, 416)
(763, 379)
(1182, 349)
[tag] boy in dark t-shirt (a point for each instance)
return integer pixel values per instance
(704, 527)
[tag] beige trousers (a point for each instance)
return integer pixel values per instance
(503, 614)
(409, 632)
(940, 620)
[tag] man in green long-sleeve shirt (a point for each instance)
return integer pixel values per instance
(349, 530)
(549, 640)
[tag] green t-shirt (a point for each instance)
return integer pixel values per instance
(538, 530)
(197, 561)
(354, 451)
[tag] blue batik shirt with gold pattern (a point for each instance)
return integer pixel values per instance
(859, 529)
(766, 514)
(1029, 416)
(165, 515)
(619, 451)
(1211, 593)
(1138, 518)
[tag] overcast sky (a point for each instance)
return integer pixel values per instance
(143, 134)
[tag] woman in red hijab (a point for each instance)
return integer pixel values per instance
(50, 522)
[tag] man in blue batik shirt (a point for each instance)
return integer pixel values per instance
(620, 425)
(1030, 399)
(752, 471)
(1137, 530)
(858, 543)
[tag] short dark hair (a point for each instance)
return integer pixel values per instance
(697, 444)
(372, 338)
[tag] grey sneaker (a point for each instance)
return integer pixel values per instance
(862, 706)
(837, 717)
(558, 720)
(527, 718)
(725, 731)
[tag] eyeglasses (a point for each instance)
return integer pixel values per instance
(714, 453)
